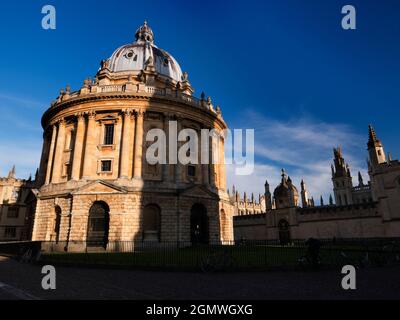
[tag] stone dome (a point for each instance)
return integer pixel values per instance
(286, 193)
(136, 56)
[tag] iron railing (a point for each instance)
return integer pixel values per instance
(212, 256)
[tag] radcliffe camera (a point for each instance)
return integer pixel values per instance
(202, 159)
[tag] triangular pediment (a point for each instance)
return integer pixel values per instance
(199, 191)
(99, 187)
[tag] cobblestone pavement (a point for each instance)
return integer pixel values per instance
(23, 281)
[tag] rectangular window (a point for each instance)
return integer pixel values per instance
(106, 166)
(191, 171)
(108, 134)
(12, 212)
(66, 169)
(10, 232)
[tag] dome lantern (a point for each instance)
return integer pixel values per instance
(143, 55)
(144, 33)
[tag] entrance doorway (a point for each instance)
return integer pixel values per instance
(98, 223)
(199, 233)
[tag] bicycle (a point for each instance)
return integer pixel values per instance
(391, 254)
(217, 261)
(305, 262)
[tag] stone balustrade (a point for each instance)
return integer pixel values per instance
(128, 89)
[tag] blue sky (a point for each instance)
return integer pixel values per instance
(285, 68)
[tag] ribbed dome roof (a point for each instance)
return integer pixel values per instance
(134, 57)
(282, 191)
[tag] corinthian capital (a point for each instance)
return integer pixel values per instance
(140, 112)
(91, 114)
(60, 121)
(80, 116)
(127, 112)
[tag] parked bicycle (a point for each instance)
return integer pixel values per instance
(218, 260)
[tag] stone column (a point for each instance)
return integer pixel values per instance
(78, 148)
(89, 162)
(126, 144)
(167, 167)
(51, 154)
(222, 169)
(137, 167)
(212, 165)
(59, 150)
(178, 167)
(204, 166)
(43, 158)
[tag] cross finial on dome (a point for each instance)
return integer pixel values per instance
(283, 174)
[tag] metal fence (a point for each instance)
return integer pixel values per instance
(221, 256)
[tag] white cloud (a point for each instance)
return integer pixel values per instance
(28, 103)
(302, 146)
(20, 135)
(25, 156)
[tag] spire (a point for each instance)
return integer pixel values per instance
(266, 187)
(339, 169)
(348, 170)
(371, 137)
(11, 173)
(267, 195)
(304, 195)
(375, 148)
(360, 179)
(330, 200)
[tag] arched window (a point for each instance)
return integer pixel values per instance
(98, 224)
(57, 223)
(151, 223)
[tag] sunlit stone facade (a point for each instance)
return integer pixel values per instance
(95, 182)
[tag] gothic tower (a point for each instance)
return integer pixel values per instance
(304, 194)
(375, 149)
(341, 178)
(268, 198)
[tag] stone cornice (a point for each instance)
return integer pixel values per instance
(83, 99)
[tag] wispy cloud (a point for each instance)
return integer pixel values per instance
(24, 155)
(303, 146)
(25, 102)
(20, 134)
